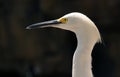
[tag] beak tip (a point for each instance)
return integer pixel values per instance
(28, 27)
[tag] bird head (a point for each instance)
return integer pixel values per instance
(75, 22)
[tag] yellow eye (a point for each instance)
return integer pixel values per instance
(63, 20)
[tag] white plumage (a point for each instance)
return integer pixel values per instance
(87, 35)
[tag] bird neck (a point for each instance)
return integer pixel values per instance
(82, 58)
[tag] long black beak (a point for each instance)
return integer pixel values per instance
(43, 24)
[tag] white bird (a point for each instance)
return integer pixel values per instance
(87, 36)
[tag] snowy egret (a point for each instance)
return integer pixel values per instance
(87, 36)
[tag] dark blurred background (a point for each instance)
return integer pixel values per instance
(48, 52)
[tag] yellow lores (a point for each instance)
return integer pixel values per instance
(62, 20)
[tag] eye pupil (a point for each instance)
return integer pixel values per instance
(65, 19)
